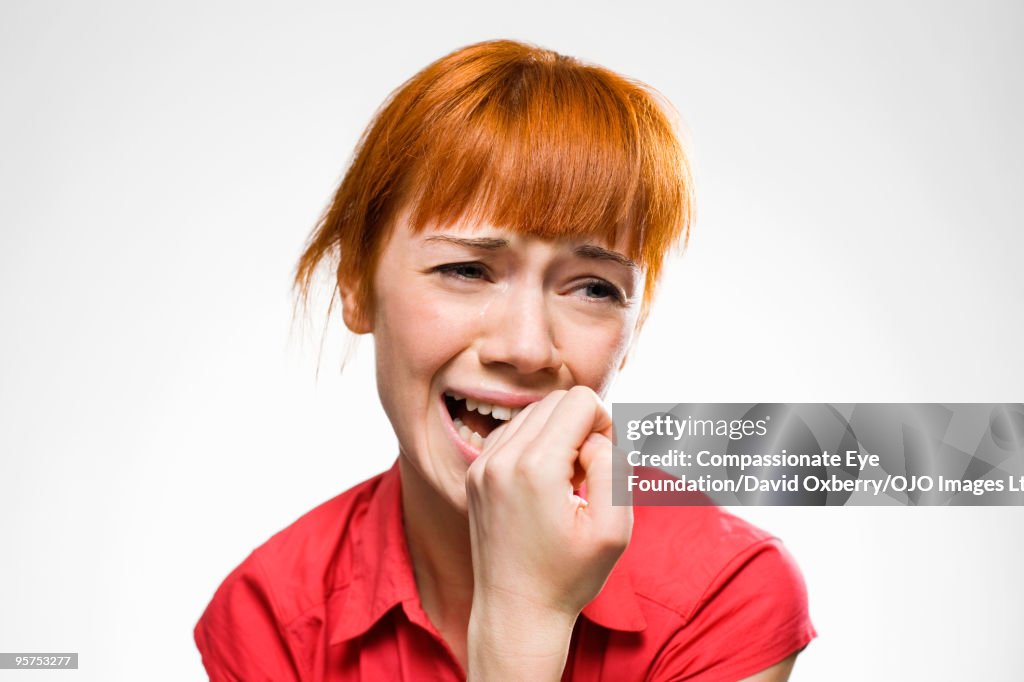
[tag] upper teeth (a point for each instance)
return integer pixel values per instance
(499, 412)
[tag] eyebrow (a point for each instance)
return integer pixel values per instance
(473, 243)
(492, 244)
(598, 253)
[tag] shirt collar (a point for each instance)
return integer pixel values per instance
(382, 574)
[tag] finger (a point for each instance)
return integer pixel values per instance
(578, 414)
(533, 419)
(504, 432)
(600, 464)
(531, 422)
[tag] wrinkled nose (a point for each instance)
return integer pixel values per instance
(518, 333)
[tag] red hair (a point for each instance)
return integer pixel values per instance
(522, 137)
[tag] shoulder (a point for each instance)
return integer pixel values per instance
(287, 576)
(311, 557)
(709, 580)
(681, 557)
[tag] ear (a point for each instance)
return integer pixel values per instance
(353, 311)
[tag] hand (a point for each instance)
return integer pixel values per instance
(539, 555)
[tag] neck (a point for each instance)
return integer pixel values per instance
(439, 546)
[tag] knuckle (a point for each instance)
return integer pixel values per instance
(582, 391)
(529, 469)
(491, 474)
(475, 476)
(601, 446)
(500, 473)
(598, 452)
(584, 395)
(556, 395)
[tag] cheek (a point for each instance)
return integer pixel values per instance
(594, 352)
(416, 333)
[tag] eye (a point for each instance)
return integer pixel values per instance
(599, 289)
(463, 270)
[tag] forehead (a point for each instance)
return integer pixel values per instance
(484, 234)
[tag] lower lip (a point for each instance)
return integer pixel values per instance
(468, 452)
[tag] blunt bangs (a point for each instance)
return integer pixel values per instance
(519, 137)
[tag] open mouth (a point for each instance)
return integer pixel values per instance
(475, 420)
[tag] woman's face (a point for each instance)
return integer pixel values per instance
(472, 323)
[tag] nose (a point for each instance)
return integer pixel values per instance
(518, 333)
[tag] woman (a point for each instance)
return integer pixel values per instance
(500, 232)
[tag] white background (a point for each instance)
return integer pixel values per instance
(859, 239)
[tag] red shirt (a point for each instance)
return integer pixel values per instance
(698, 595)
